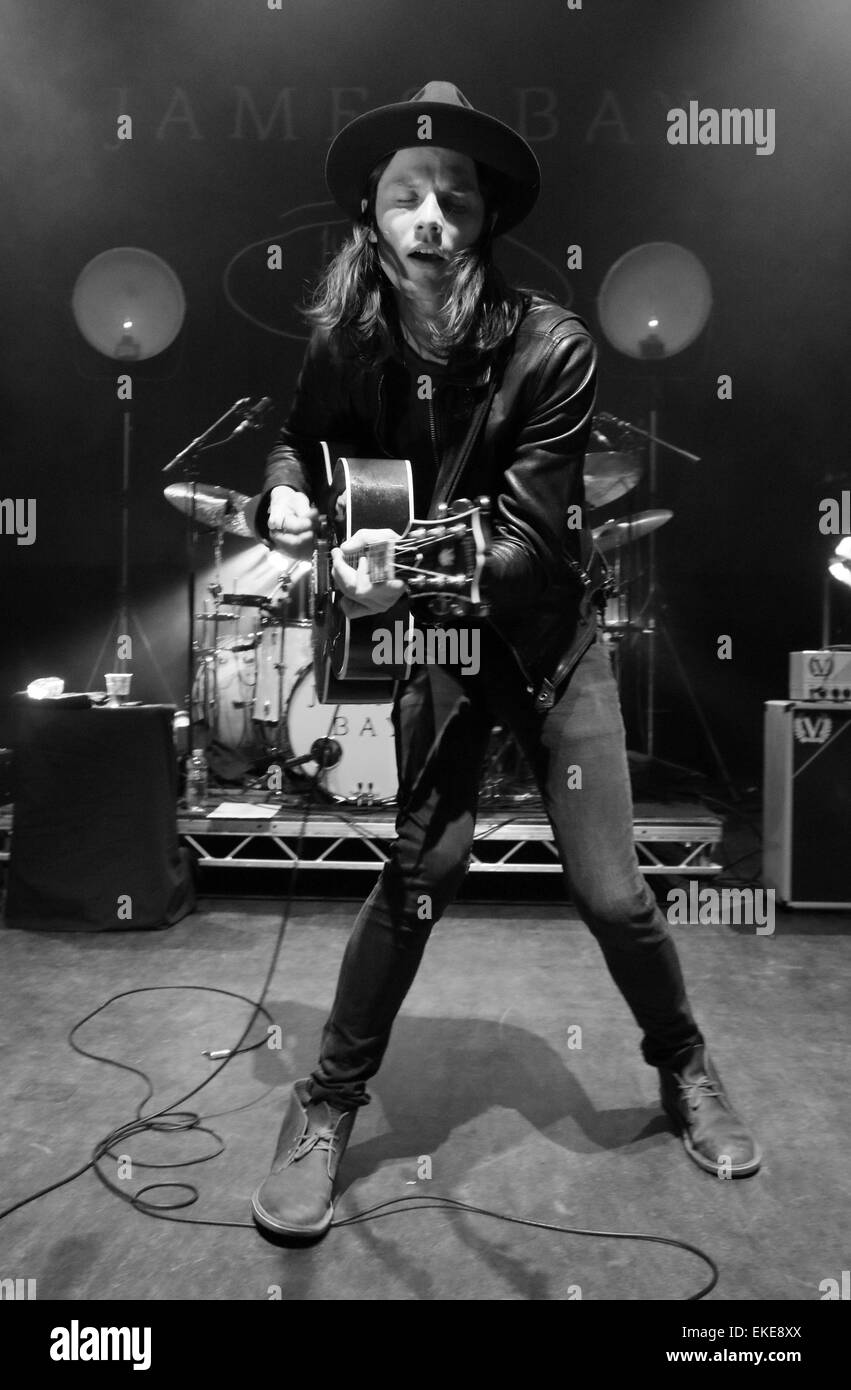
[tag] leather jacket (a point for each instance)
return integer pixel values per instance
(531, 405)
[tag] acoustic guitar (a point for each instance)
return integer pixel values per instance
(440, 561)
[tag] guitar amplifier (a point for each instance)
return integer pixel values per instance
(807, 803)
(822, 675)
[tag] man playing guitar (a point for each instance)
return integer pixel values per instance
(420, 350)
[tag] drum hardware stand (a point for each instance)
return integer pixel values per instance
(187, 461)
(279, 750)
(364, 798)
(281, 742)
(211, 703)
(207, 658)
(616, 586)
(652, 623)
(500, 782)
(617, 590)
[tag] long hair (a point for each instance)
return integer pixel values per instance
(354, 296)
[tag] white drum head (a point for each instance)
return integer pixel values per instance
(367, 767)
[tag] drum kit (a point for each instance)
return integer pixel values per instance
(254, 691)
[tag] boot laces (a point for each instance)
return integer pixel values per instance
(693, 1092)
(311, 1139)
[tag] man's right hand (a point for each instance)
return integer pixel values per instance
(293, 523)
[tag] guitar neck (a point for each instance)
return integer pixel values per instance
(434, 557)
(380, 557)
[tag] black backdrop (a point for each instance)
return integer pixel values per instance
(233, 106)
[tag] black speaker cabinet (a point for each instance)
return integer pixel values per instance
(94, 841)
(807, 803)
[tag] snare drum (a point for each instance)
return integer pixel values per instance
(367, 769)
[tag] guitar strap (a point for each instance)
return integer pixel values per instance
(592, 572)
(453, 466)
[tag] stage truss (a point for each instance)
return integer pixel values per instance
(680, 840)
(677, 840)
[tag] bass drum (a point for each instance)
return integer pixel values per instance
(366, 773)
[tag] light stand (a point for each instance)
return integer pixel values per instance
(653, 303)
(124, 617)
(129, 305)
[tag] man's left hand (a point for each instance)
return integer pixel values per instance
(360, 596)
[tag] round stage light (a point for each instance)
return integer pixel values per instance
(655, 300)
(128, 304)
(841, 570)
(843, 550)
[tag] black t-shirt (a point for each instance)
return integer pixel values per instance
(412, 432)
(412, 427)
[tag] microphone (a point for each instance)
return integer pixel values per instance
(327, 752)
(253, 418)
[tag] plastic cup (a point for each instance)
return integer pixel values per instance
(117, 686)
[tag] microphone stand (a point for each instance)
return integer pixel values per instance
(325, 752)
(650, 434)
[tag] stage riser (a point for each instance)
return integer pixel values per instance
(687, 843)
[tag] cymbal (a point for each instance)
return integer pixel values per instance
(613, 534)
(245, 600)
(609, 476)
(216, 507)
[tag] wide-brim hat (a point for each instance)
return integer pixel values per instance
(453, 125)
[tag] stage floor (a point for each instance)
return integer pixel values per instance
(483, 1079)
